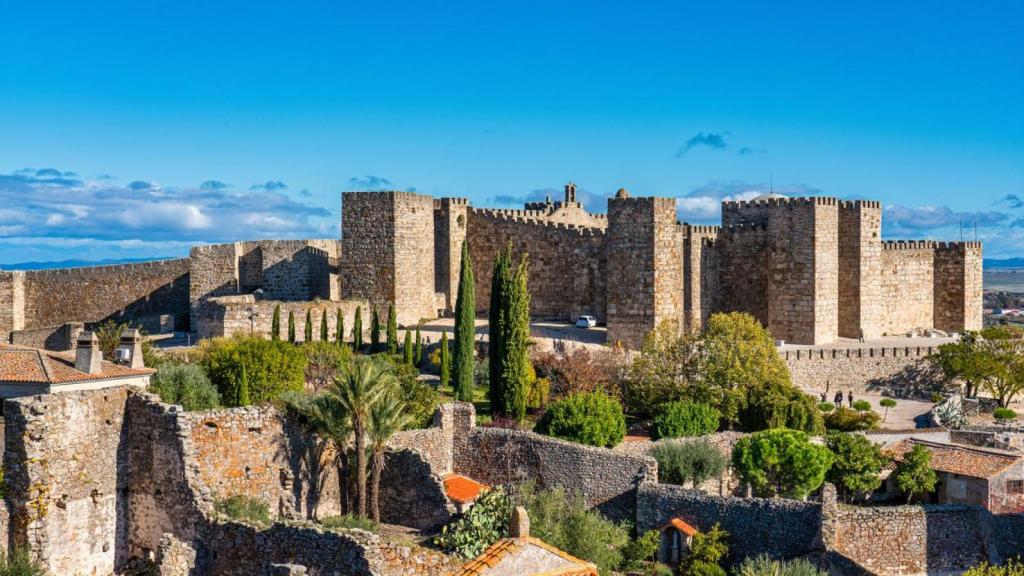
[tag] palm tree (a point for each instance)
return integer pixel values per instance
(356, 391)
(330, 420)
(387, 416)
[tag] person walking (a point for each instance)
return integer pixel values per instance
(849, 397)
(838, 400)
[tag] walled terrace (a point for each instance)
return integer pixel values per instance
(95, 479)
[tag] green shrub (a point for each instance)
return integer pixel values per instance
(540, 391)
(421, 399)
(184, 384)
(684, 418)
(856, 462)
(862, 406)
(766, 566)
(937, 397)
(781, 462)
(244, 509)
(1004, 414)
(1014, 567)
(682, 462)
(706, 552)
(702, 568)
(348, 521)
(269, 368)
(565, 521)
(826, 406)
(780, 406)
(19, 563)
(639, 551)
(483, 524)
(591, 418)
(848, 420)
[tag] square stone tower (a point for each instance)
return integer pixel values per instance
(388, 252)
(451, 221)
(860, 269)
(645, 267)
(958, 295)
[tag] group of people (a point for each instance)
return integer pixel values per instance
(838, 398)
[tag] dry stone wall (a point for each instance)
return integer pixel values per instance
(567, 265)
(902, 371)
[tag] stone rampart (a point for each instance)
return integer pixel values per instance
(777, 527)
(958, 286)
(568, 268)
(122, 292)
(230, 315)
(908, 283)
(901, 371)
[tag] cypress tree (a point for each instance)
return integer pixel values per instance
(515, 363)
(291, 326)
(465, 326)
(418, 354)
(392, 331)
(357, 329)
(375, 332)
(242, 392)
(308, 332)
(323, 326)
(275, 324)
(339, 328)
(446, 361)
(500, 280)
(407, 350)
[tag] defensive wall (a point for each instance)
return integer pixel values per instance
(230, 315)
(900, 371)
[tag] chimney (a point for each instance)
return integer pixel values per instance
(519, 524)
(131, 343)
(88, 357)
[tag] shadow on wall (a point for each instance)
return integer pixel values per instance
(411, 495)
(918, 380)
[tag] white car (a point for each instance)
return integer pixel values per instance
(586, 322)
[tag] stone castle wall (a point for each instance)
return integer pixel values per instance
(900, 371)
(958, 286)
(567, 265)
(700, 274)
(860, 268)
(908, 283)
(743, 272)
(451, 222)
(122, 292)
(230, 315)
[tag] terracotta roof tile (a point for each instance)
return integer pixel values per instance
(680, 525)
(957, 459)
(507, 546)
(34, 366)
(462, 489)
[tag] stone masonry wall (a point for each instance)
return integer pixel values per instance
(65, 479)
(451, 222)
(645, 268)
(899, 371)
(229, 315)
(958, 286)
(777, 527)
(567, 265)
(907, 286)
(743, 262)
(860, 267)
(700, 276)
(123, 292)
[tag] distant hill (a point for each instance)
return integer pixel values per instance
(70, 263)
(994, 264)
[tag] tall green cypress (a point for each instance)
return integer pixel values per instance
(375, 332)
(242, 392)
(515, 364)
(418, 354)
(465, 327)
(501, 279)
(291, 326)
(357, 330)
(407, 349)
(446, 361)
(339, 328)
(392, 330)
(308, 332)
(323, 326)
(275, 324)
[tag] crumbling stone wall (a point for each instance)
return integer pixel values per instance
(908, 286)
(901, 371)
(63, 466)
(567, 263)
(229, 315)
(123, 292)
(776, 527)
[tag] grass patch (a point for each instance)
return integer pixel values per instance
(19, 563)
(349, 521)
(244, 509)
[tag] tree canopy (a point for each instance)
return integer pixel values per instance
(781, 462)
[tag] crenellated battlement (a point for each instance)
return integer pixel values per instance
(958, 246)
(860, 204)
(699, 229)
(909, 244)
(440, 203)
(532, 218)
(780, 202)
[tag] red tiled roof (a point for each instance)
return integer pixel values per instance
(34, 366)
(462, 489)
(506, 546)
(680, 525)
(957, 459)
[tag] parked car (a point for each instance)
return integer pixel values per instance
(586, 322)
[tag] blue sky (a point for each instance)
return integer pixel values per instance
(135, 129)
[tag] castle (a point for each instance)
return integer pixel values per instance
(812, 270)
